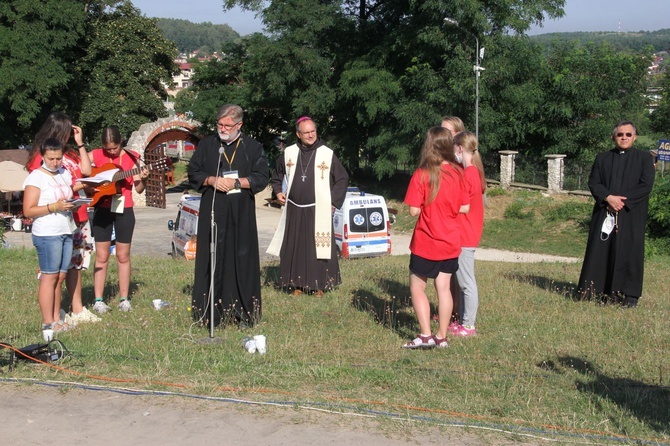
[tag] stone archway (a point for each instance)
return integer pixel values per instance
(148, 140)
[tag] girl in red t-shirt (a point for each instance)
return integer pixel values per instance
(114, 213)
(436, 194)
(471, 227)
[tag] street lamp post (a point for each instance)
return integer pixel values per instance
(477, 68)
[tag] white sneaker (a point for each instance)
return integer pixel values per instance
(101, 307)
(82, 317)
(124, 305)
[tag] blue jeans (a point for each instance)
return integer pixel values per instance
(54, 252)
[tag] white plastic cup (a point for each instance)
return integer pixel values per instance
(261, 344)
(250, 345)
(158, 304)
(48, 335)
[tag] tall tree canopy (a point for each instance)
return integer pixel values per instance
(38, 42)
(376, 74)
(127, 65)
(100, 61)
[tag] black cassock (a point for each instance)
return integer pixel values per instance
(616, 265)
(298, 266)
(237, 282)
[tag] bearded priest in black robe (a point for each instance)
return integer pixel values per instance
(620, 182)
(228, 169)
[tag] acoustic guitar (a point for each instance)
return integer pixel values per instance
(107, 186)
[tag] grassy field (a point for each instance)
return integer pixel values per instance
(542, 363)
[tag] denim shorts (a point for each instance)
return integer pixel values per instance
(54, 252)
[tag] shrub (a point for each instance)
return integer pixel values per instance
(575, 211)
(495, 191)
(515, 211)
(658, 224)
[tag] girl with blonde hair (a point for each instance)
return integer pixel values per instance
(436, 195)
(471, 226)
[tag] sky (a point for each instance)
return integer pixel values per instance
(580, 15)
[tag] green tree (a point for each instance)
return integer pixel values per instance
(189, 36)
(38, 50)
(591, 88)
(374, 74)
(99, 61)
(660, 118)
(128, 63)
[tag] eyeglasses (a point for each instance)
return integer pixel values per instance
(311, 132)
(226, 127)
(621, 135)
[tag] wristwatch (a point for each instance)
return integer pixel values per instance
(238, 185)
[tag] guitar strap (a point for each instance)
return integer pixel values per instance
(136, 160)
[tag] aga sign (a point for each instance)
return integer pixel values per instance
(663, 150)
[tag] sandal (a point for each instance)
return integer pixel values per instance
(60, 327)
(420, 342)
(440, 343)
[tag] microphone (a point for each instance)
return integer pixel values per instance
(212, 248)
(218, 167)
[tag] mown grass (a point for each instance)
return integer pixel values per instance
(526, 221)
(541, 361)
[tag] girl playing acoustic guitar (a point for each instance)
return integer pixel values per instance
(115, 211)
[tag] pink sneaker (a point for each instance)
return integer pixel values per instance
(453, 327)
(465, 331)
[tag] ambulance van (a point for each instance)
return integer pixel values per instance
(362, 226)
(185, 227)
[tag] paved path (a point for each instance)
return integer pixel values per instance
(152, 236)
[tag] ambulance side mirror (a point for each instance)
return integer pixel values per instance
(170, 225)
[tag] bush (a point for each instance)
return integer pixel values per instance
(515, 211)
(656, 247)
(495, 191)
(575, 211)
(658, 223)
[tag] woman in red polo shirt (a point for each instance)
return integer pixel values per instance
(436, 194)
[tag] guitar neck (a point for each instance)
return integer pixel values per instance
(120, 175)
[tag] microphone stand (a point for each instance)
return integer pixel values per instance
(212, 261)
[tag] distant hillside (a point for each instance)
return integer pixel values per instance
(189, 36)
(635, 41)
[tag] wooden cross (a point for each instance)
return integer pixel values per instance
(323, 166)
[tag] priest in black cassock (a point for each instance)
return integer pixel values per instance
(620, 182)
(310, 181)
(228, 168)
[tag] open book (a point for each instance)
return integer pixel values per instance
(102, 177)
